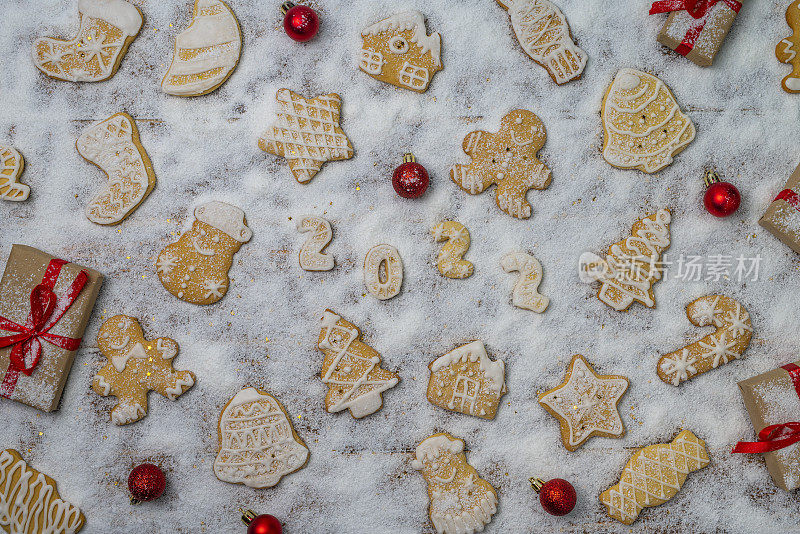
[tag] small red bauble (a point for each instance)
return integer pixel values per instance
(557, 495)
(410, 179)
(300, 22)
(721, 198)
(261, 524)
(146, 483)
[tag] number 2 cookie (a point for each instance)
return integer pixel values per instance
(312, 257)
(526, 289)
(451, 262)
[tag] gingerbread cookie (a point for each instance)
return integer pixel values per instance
(351, 369)
(451, 262)
(113, 145)
(461, 502)
(726, 343)
(786, 51)
(586, 404)
(11, 165)
(643, 126)
(465, 380)
(29, 500)
(526, 289)
(306, 133)
(107, 28)
(383, 271)
(544, 34)
(654, 475)
(312, 257)
(195, 269)
(398, 50)
(136, 366)
(206, 53)
(257, 442)
(632, 266)
(506, 158)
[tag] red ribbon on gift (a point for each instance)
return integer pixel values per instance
(789, 196)
(698, 9)
(775, 437)
(46, 310)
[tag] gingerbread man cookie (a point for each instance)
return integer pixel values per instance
(383, 271)
(195, 269)
(728, 342)
(506, 158)
(11, 165)
(312, 257)
(451, 262)
(526, 290)
(461, 502)
(135, 366)
(786, 51)
(307, 133)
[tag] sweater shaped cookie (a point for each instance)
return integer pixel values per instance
(135, 366)
(508, 159)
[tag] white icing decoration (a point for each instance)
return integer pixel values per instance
(11, 164)
(177, 388)
(526, 289)
(121, 345)
(200, 250)
(493, 371)
(682, 367)
(383, 271)
(127, 413)
(414, 21)
(120, 361)
(413, 76)
(433, 447)
(121, 14)
(166, 263)
(311, 256)
(225, 218)
(215, 288)
(101, 382)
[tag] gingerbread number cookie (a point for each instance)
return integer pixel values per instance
(135, 366)
(351, 369)
(29, 500)
(311, 256)
(728, 342)
(11, 165)
(461, 502)
(465, 380)
(786, 51)
(643, 126)
(506, 158)
(195, 269)
(451, 262)
(107, 28)
(306, 133)
(654, 475)
(383, 271)
(397, 50)
(526, 290)
(113, 145)
(257, 442)
(543, 32)
(586, 404)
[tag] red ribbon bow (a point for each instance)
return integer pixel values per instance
(697, 9)
(789, 196)
(46, 310)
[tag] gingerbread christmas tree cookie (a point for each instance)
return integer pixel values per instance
(586, 404)
(11, 165)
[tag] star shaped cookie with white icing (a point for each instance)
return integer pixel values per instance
(586, 404)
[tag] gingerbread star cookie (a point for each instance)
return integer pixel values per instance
(307, 133)
(586, 404)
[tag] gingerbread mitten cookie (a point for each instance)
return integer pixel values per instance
(544, 34)
(506, 158)
(113, 145)
(398, 50)
(351, 369)
(136, 366)
(11, 165)
(312, 257)
(728, 342)
(306, 133)
(465, 380)
(461, 502)
(107, 28)
(257, 442)
(195, 269)
(786, 51)
(526, 290)
(451, 262)
(654, 475)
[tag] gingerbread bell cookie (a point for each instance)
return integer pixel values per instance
(29, 500)
(643, 126)
(11, 165)
(586, 404)
(461, 502)
(195, 269)
(398, 50)
(508, 159)
(306, 133)
(107, 28)
(450, 261)
(786, 51)
(136, 366)
(257, 442)
(526, 290)
(543, 32)
(312, 257)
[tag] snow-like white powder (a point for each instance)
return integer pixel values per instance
(359, 476)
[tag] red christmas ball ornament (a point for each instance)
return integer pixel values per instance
(261, 524)
(410, 179)
(557, 495)
(146, 483)
(300, 22)
(721, 198)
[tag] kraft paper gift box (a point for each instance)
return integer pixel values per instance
(782, 218)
